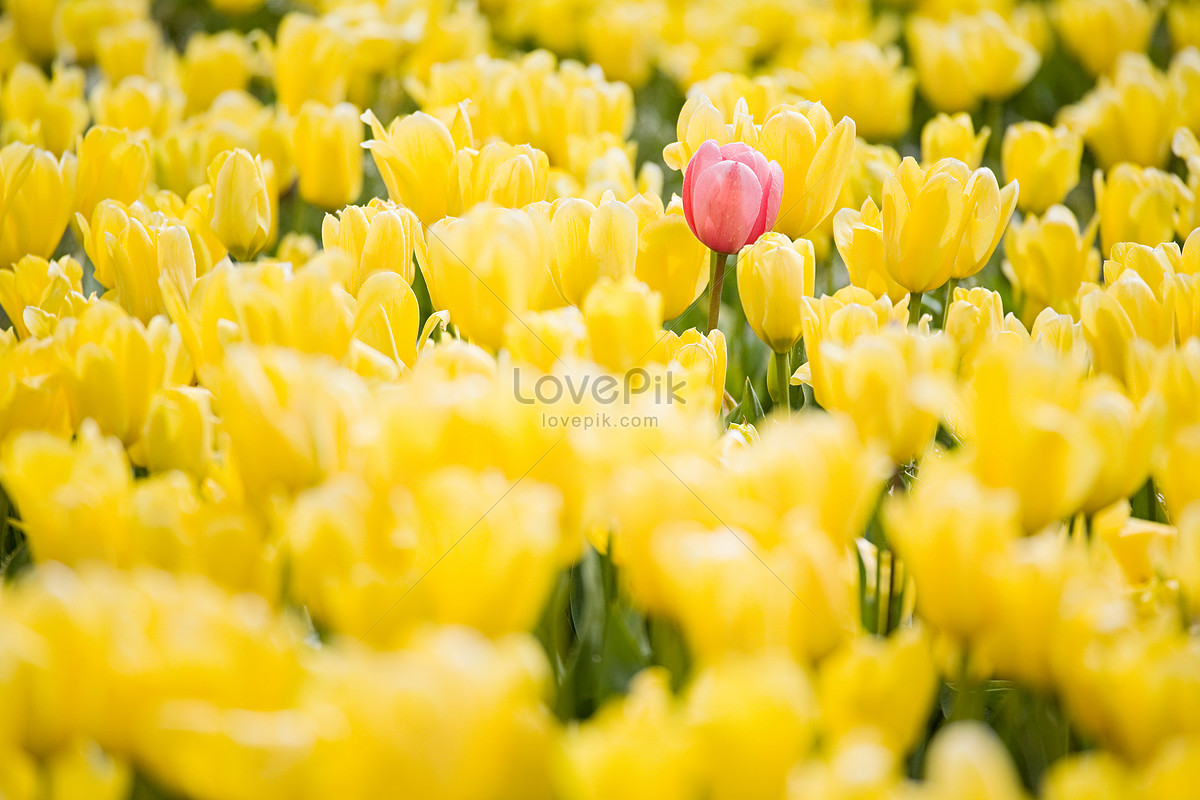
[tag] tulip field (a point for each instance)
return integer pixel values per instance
(600, 399)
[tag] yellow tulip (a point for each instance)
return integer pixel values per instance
(863, 81)
(546, 337)
(138, 104)
(967, 759)
(590, 242)
(387, 316)
(699, 120)
(951, 532)
(328, 156)
(38, 198)
(670, 259)
(986, 56)
(482, 268)
(1183, 24)
(976, 318)
(242, 206)
(377, 237)
(113, 164)
(947, 136)
(416, 157)
(312, 61)
(502, 174)
(1184, 75)
(33, 22)
(751, 718)
(1096, 32)
(213, 64)
(774, 276)
(133, 47)
(42, 289)
(179, 431)
(1129, 116)
(703, 360)
(882, 381)
(935, 224)
(1044, 161)
(48, 113)
(815, 155)
(1136, 205)
(624, 322)
(606, 756)
(885, 685)
(1046, 260)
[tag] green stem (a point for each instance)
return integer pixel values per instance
(806, 390)
(950, 286)
(914, 307)
(714, 298)
(783, 377)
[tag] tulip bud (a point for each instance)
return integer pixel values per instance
(589, 242)
(947, 136)
(328, 156)
(113, 164)
(670, 260)
(624, 321)
(241, 209)
(774, 276)
(1043, 160)
(731, 195)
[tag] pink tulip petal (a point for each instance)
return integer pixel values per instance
(772, 197)
(705, 156)
(755, 161)
(726, 204)
(732, 150)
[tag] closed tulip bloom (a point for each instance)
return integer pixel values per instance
(699, 120)
(947, 136)
(1136, 205)
(624, 323)
(670, 260)
(137, 103)
(328, 156)
(416, 157)
(179, 431)
(1130, 434)
(967, 759)
(113, 164)
(1183, 24)
(543, 338)
(378, 237)
(935, 224)
(38, 198)
(482, 269)
(1043, 160)
(731, 195)
(213, 64)
(1130, 115)
(1096, 32)
(1046, 260)
(241, 208)
(45, 289)
(814, 155)
(774, 276)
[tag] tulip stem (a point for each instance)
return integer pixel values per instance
(914, 307)
(714, 299)
(782, 395)
(950, 286)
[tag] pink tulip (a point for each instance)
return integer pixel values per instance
(731, 195)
